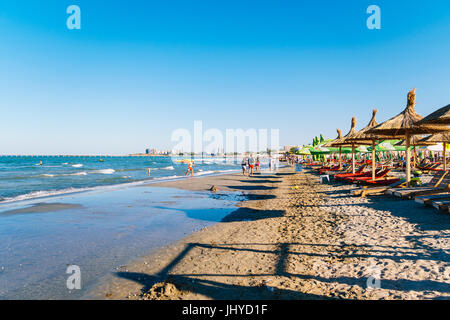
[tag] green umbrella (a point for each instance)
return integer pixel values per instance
(319, 150)
(304, 151)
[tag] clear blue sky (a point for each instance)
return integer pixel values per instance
(137, 70)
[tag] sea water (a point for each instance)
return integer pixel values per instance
(30, 177)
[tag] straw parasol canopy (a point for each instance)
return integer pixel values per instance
(439, 117)
(416, 141)
(338, 138)
(346, 141)
(362, 134)
(438, 137)
(403, 125)
(343, 141)
(363, 137)
(406, 122)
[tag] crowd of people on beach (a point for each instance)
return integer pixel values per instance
(250, 165)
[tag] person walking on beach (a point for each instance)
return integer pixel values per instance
(190, 168)
(251, 165)
(244, 165)
(258, 165)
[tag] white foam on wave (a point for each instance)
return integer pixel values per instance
(40, 194)
(168, 168)
(50, 193)
(104, 171)
(83, 173)
(48, 175)
(78, 165)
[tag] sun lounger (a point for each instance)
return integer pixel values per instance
(368, 176)
(358, 172)
(430, 167)
(376, 190)
(442, 205)
(386, 181)
(335, 168)
(334, 173)
(439, 184)
(428, 199)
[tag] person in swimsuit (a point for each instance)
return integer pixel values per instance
(258, 165)
(243, 165)
(190, 168)
(251, 165)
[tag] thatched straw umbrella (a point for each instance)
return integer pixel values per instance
(439, 137)
(403, 125)
(440, 117)
(364, 137)
(346, 141)
(330, 144)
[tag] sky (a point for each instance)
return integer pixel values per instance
(138, 70)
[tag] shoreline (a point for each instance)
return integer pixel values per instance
(21, 199)
(294, 238)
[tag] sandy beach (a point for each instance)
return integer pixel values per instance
(294, 238)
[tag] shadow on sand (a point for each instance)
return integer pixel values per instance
(196, 283)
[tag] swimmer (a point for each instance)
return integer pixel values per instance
(148, 171)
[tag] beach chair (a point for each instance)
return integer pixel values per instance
(324, 170)
(381, 173)
(346, 169)
(358, 172)
(364, 191)
(428, 199)
(438, 184)
(430, 167)
(442, 205)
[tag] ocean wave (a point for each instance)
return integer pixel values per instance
(104, 171)
(40, 194)
(168, 168)
(78, 165)
(50, 175)
(49, 193)
(83, 173)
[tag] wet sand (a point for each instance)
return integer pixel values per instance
(294, 238)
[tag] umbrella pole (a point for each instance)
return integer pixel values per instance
(373, 159)
(414, 157)
(408, 159)
(340, 162)
(445, 157)
(353, 158)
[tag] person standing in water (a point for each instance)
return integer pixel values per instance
(148, 171)
(190, 168)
